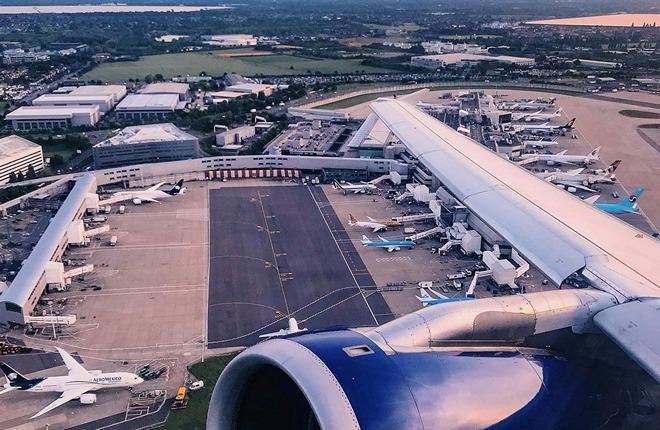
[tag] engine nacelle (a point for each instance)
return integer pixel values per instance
(343, 380)
(88, 399)
(137, 201)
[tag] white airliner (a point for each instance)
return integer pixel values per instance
(536, 116)
(528, 105)
(544, 129)
(579, 180)
(151, 194)
(372, 224)
(362, 187)
(292, 329)
(76, 385)
(539, 143)
(562, 158)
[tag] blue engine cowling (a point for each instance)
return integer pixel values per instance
(343, 380)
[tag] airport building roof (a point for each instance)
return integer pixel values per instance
(454, 58)
(50, 112)
(147, 102)
(166, 132)
(558, 232)
(15, 146)
(165, 88)
(117, 91)
(33, 267)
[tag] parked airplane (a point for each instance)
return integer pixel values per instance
(292, 329)
(562, 158)
(545, 128)
(536, 116)
(151, 194)
(528, 105)
(539, 143)
(375, 226)
(439, 299)
(390, 245)
(76, 385)
(582, 181)
(627, 205)
(362, 187)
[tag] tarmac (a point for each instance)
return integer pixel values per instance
(273, 256)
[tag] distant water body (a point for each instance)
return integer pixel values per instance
(14, 10)
(618, 20)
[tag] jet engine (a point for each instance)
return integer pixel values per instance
(137, 201)
(88, 399)
(395, 377)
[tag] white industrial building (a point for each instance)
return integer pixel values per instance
(216, 97)
(137, 106)
(235, 136)
(117, 92)
(49, 117)
(42, 267)
(16, 155)
(466, 59)
(145, 144)
(229, 40)
(252, 88)
(103, 101)
(179, 88)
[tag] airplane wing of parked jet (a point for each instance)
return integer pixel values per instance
(65, 397)
(75, 369)
(554, 230)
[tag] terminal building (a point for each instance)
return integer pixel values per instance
(145, 144)
(16, 155)
(49, 117)
(42, 267)
(143, 106)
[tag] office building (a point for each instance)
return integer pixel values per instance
(145, 144)
(16, 155)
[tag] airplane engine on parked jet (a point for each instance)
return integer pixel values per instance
(88, 399)
(137, 201)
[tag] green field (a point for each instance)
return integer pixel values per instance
(194, 416)
(193, 63)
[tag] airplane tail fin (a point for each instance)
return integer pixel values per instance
(634, 198)
(365, 240)
(336, 185)
(595, 153)
(612, 167)
(177, 189)
(570, 124)
(13, 377)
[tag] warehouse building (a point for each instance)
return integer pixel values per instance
(178, 88)
(103, 101)
(117, 92)
(49, 117)
(138, 106)
(20, 299)
(465, 59)
(16, 155)
(145, 144)
(251, 88)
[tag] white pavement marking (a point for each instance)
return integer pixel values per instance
(342, 254)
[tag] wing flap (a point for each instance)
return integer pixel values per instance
(634, 327)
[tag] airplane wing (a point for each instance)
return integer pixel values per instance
(437, 294)
(574, 172)
(64, 397)
(562, 152)
(383, 239)
(591, 200)
(75, 368)
(155, 187)
(379, 228)
(371, 219)
(8, 389)
(149, 199)
(574, 185)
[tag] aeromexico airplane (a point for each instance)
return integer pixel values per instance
(482, 363)
(151, 194)
(390, 245)
(76, 385)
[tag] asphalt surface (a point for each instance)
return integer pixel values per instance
(272, 256)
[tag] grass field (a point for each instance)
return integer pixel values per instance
(363, 98)
(195, 62)
(194, 416)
